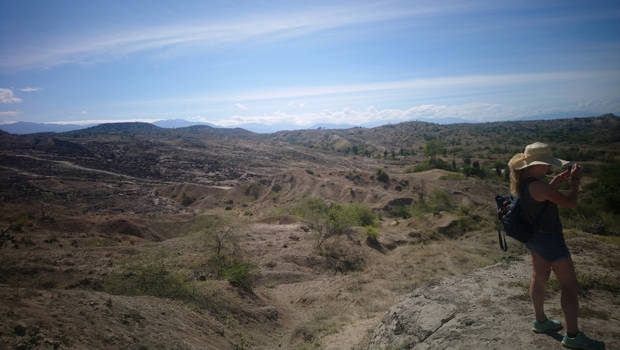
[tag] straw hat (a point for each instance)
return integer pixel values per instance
(536, 153)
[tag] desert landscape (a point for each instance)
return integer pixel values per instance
(132, 236)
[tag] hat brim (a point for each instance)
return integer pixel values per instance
(556, 162)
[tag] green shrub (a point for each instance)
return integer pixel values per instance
(372, 233)
(361, 214)
(309, 207)
(434, 148)
(240, 275)
(340, 219)
(147, 278)
(345, 215)
(187, 200)
(607, 187)
(474, 171)
(335, 219)
(382, 176)
(436, 163)
(598, 208)
(403, 212)
(438, 200)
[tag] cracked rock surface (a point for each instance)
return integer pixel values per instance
(487, 309)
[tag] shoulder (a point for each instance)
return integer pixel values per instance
(539, 190)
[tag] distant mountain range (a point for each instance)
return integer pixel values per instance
(21, 128)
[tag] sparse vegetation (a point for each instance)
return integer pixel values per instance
(437, 163)
(333, 219)
(598, 210)
(382, 176)
(438, 200)
(178, 242)
(240, 275)
(148, 275)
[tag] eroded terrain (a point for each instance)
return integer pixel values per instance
(129, 236)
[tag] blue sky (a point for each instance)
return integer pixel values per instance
(295, 64)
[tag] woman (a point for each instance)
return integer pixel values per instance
(539, 201)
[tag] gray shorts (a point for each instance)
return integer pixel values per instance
(550, 246)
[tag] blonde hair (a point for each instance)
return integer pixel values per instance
(516, 175)
(515, 181)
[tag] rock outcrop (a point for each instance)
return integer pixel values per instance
(487, 309)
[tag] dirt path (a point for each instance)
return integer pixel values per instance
(75, 166)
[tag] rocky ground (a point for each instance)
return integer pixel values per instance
(490, 309)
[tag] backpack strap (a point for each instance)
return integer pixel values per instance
(503, 245)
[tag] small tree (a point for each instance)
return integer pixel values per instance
(222, 238)
(432, 149)
(382, 176)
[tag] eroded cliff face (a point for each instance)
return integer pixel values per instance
(487, 309)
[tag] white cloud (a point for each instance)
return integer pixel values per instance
(30, 89)
(479, 112)
(241, 107)
(83, 112)
(9, 114)
(6, 96)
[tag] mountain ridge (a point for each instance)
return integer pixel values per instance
(21, 127)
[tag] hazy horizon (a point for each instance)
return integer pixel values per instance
(286, 65)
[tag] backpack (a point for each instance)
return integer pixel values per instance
(510, 219)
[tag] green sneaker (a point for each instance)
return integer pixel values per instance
(580, 341)
(546, 326)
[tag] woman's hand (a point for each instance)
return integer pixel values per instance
(575, 172)
(560, 178)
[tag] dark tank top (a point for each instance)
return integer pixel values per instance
(549, 221)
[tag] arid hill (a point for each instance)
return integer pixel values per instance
(131, 236)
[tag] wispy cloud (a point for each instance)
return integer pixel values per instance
(30, 89)
(422, 85)
(241, 107)
(7, 96)
(269, 27)
(9, 114)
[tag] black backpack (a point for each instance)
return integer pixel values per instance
(510, 219)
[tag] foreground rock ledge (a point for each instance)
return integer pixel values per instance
(487, 309)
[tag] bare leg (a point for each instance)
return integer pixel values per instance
(565, 271)
(541, 269)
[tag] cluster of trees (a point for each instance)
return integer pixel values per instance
(434, 149)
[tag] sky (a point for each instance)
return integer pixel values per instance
(297, 64)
